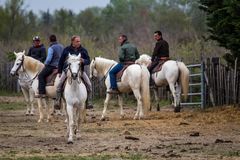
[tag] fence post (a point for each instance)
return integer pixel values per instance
(202, 85)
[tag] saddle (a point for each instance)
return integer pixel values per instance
(158, 67)
(120, 73)
(51, 78)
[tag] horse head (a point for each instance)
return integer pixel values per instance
(18, 62)
(144, 59)
(93, 71)
(74, 65)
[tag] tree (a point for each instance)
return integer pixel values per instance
(223, 21)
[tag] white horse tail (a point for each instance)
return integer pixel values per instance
(184, 78)
(145, 91)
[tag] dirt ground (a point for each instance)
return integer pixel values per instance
(191, 134)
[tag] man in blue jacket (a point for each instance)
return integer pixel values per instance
(54, 53)
(75, 48)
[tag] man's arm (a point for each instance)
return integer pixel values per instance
(121, 54)
(62, 60)
(49, 56)
(43, 54)
(29, 51)
(86, 57)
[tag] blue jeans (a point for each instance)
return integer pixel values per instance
(113, 73)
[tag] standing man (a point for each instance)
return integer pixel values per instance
(54, 53)
(74, 48)
(37, 51)
(160, 52)
(127, 53)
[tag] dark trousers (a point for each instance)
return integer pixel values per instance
(153, 64)
(47, 70)
(113, 73)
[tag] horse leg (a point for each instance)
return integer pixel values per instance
(108, 97)
(139, 114)
(172, 88)
(178, 98)
(77, 119)
(155, 91)
(26, 97)
(31, 100)
(120, 103)
(70, 123)
(40, 110)
(48, 109)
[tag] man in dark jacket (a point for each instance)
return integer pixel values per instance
(37, 51)
(54, 53)
(127, 53)
(75, 48)
(160, 52)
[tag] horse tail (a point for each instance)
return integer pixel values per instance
(145, 91)
(184, 78)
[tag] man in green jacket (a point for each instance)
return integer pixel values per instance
(128, 53)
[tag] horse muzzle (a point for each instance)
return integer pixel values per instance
(74, 76)
(12, 73)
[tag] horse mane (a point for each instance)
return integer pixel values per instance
(103, 64)
(32, 64)
(104, 61)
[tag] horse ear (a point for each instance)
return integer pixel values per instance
(14, 52)
(24, 52)
(69, 54)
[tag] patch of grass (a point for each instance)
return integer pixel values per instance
(8, 93)
(12, 106)
(75, 157)
(232, 154)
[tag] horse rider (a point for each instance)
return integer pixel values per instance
(54, 53)
(160, 52)
(128, 53)
(74, 48)
(37, 51)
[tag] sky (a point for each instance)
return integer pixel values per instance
(75, 5)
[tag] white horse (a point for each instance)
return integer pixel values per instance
(24, 82)
(75, 94)
(135, 78)
(32, 68)
(171, 73)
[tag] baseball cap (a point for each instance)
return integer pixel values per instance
(36, 38)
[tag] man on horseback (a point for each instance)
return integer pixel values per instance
(160, 52)
(128, 53)
(74, 49)
(54, 53)
(37, 51)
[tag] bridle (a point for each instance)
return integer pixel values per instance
(79, 70)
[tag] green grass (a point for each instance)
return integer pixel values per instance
(12, 106)
(75, 157)
(8, 93)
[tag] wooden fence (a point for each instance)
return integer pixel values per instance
(216, 85)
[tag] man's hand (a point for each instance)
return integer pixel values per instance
(81, 60)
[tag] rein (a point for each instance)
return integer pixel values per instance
(70, 78)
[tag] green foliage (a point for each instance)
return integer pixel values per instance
(223, 21)
(181, 22)
(11, 56)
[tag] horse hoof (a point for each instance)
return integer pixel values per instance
(102, 119)
(40, 120)
(177, 109)
(70, 142)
